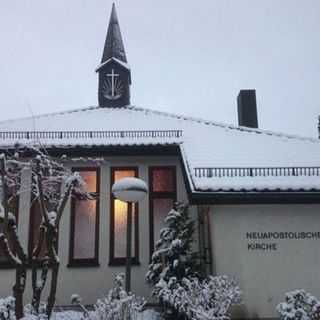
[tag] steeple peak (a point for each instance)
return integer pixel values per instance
(114, 47)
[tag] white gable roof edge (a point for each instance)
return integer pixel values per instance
(187, 167)
(43, 115)
(124, 64)
(224, 125)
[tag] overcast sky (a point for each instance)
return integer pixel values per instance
(189, 57)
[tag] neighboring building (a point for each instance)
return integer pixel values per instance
(254, 193)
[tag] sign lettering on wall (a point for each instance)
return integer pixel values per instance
(269, 241)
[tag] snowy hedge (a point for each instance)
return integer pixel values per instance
(7, 306)
(116, 305)
(174, 274)
(299, 305)
(208, 299)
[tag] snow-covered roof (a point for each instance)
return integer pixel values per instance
(203, 144)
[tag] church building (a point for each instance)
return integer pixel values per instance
(254, 194)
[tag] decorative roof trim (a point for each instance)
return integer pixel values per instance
(52, 135)
(223, 172)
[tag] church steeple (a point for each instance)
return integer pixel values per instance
(113, 47)
(114, 72)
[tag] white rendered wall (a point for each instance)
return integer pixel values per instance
(93, 282)
(265, 275)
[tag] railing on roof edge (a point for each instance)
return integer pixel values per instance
(30, 135)
(256, 172)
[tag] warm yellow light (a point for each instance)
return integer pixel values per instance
(120, 215)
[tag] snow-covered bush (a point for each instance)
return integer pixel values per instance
(299, 305)
(208, 299)
(177, 284)
(7, 309)
(30, 314)
(116, 305)
(173, 255)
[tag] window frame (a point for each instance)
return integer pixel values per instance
(121, 261)
(85, 262)
(153, 195)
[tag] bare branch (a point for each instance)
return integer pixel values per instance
(37, 249)
(38, 179)
(63, 203)
(7, 251)
(17, 244)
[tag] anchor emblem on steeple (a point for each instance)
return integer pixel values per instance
(113, 86)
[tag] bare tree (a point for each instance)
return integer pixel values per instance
(51, 185)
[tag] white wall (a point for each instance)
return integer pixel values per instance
(265, 276)
(92, 282)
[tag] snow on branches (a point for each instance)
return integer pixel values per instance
(173, 273)
(7, 308)
(51, 186)
(208, 299)
(299, 305)
(173, 256)
(116, 305)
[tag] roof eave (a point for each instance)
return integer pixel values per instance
(255, 197)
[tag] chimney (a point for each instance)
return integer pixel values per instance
(247, 109)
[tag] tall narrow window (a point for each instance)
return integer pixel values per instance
(13, 208)
(162, 195)
(118, 222)
(84, 233)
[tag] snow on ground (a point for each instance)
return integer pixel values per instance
(148, 314)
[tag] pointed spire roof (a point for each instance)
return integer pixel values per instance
(114, 47)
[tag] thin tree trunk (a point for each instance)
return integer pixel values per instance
(37, 287)
(18, 290)
(53, 289)
(4, 196)
(21, 273)
(52, 234)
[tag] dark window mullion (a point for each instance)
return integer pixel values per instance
(157, 195)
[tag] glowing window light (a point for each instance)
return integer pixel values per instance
(120, 218)
(85, 220)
